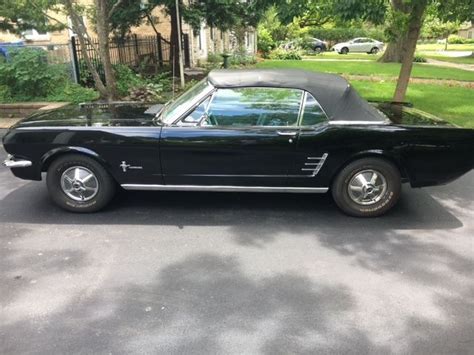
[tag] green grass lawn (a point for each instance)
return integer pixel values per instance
(454, 104)
(371, 69)
(440, 47)
(457, 60)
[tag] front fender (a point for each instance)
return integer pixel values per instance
(52, 154)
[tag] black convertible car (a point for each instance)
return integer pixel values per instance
(242, 130)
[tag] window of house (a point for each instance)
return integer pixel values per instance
(313, 113)
(254, 107)
(34, 35)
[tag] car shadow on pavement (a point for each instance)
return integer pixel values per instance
(416, 210)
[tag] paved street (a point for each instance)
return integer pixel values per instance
(180, 273)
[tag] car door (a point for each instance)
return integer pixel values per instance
(315, 140)
(238, 137)
(357, 45)
(367, 45)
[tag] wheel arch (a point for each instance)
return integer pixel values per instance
(55, 153)
(376, 153)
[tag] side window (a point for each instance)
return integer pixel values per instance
(312, 112)
(194, 117)
(255, 107)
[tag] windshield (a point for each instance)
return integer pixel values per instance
(185, 101)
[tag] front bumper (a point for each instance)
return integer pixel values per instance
(10, 162)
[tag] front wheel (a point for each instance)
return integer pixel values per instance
(344, 50)
(79, 184)
(374, 50)
(318, 50)
(367, 187)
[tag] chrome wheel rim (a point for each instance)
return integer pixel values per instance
(79, 183)
(367, 187)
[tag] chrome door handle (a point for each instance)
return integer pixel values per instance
(284, 133)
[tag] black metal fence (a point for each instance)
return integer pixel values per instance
(145, 53)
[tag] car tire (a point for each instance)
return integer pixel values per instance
(374, 50)
(373, 199)
(78, 183)
(318, 50)
(344, 50)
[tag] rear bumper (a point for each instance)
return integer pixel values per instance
(11, 163)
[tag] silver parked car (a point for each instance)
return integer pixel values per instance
(360, 45)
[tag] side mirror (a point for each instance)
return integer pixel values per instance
(203, 120)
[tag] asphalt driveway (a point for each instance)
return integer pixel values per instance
(180, 273)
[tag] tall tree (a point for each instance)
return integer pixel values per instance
(17, 16)
(233, 15)
(405, 18)
(21, 15)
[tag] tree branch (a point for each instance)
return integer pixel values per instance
(114, 7)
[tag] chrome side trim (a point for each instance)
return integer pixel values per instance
(10, 163)
(229, 188)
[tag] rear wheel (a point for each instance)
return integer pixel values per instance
(374, 50)
(367, 187)
(79, 184)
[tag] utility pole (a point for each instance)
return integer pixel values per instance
(180, 48)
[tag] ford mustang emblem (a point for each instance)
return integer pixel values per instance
(126, 166)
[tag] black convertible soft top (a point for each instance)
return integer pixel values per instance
(336, 96)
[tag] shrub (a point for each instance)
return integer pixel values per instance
(282, 54)
(72, 92)
(27, 74)
(215, 58)
(454, 39)
(265, 42)
(5, 94)
(418, 58)
(127, 79)
(242, 59)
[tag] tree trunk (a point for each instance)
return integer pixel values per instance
(81, 32)
(414, 29)
(102, 25)
(394, 52)
(174, 41)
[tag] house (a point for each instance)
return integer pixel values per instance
(201, 43)
(467, 31)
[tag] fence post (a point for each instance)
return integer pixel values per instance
(75, 61)
(137, 52)
(187, 61)
(160, 50)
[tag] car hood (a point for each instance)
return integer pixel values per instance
(403, 114)
(341, 44)
(93, 115)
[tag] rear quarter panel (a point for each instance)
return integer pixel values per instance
(424, 155)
